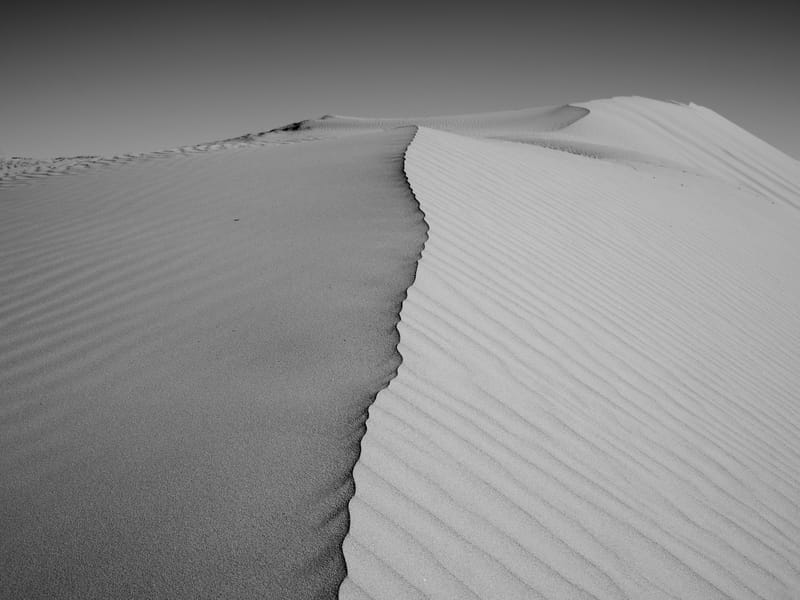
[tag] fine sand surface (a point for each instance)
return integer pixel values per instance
(189, 343)
(601, 370)
(694, 137)
(598, 394)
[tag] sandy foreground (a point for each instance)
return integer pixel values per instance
(598, 393)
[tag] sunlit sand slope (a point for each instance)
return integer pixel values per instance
(601, 369)
(188, 344)
(694, 136)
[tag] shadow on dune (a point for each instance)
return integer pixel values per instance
(190, 348)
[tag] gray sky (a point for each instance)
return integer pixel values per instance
(84, 78)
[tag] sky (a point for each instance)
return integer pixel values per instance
(91, 78)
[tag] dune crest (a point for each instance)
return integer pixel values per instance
(550, 118)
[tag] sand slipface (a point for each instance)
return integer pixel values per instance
(189, 344)
(599, 390)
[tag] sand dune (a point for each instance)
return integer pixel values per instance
(599, 380)
(598, 394)
(189, 343)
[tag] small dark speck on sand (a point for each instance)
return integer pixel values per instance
(236, 219)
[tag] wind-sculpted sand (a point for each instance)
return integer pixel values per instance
(601, 371)
(598, 393)
(189, 344)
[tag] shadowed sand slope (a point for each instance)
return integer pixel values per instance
(188, 348)
(598, 394)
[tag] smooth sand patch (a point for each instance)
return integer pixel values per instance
(188, 348)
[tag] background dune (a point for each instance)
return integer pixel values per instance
(548, 118)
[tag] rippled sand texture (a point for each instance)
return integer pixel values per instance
(598, 395)
(601, 370)
(189, 343)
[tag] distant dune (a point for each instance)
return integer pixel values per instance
(550, 118)
(593, 394)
